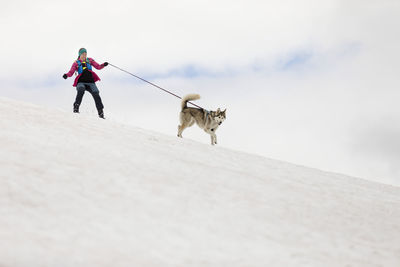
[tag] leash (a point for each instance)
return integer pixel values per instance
(155, 85)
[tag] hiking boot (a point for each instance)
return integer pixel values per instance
(76, 108)
(101, 114)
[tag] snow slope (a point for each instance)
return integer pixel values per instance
(79, 191)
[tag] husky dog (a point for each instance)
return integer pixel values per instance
(206, 120)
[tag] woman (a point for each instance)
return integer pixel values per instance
(85, 81)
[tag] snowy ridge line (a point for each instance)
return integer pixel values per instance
(80, 191)
(152, 132)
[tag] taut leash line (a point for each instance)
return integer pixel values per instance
(155, 85)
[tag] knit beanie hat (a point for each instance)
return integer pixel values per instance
(81, 51)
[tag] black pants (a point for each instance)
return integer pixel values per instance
(92, 89)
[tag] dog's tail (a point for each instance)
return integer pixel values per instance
(187, 98)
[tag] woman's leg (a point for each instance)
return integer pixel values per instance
(97, 99)
(80, 91)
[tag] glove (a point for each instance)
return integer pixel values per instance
(65, 76)
(105, 64)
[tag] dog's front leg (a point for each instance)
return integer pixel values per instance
(211, 135)
(213, 138)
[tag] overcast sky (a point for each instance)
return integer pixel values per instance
(312, 82)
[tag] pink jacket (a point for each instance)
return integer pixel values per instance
(75, 68)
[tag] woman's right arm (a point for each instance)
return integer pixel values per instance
(72, 70)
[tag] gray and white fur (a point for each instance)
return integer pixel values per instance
(206, 120)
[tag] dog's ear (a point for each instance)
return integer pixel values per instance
(218, 110)
(224, 111)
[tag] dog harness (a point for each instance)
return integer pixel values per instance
(207, 114)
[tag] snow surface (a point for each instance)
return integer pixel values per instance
(80, 191)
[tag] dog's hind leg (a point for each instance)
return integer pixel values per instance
(181, 128)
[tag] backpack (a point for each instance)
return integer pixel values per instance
(81, 68)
